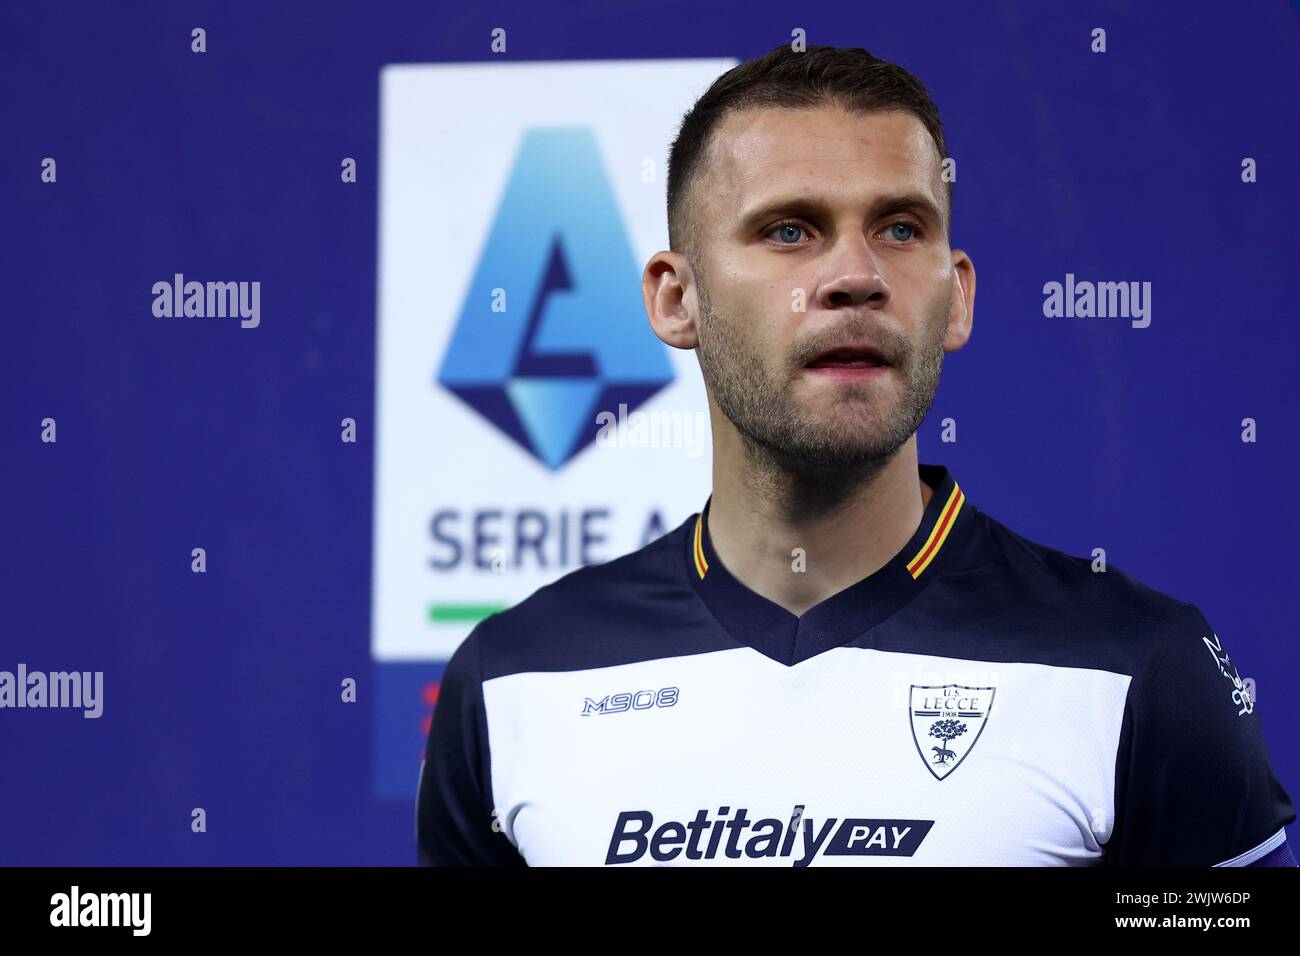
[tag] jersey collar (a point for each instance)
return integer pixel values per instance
(772, 630)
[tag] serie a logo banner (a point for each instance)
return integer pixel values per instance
(520, 392)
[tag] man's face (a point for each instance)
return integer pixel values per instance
(849, 209)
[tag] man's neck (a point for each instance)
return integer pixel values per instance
(763, 519)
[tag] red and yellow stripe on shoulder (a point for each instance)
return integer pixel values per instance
(701, 564)
(938, 534)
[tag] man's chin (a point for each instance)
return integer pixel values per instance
(836, 461)
(850, 414)
(821, 449)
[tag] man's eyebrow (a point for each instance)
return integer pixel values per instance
(813, 208)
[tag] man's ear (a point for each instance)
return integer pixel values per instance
(668, 288)
(961, 312)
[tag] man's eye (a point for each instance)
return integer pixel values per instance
(911, 231)
(786, 230)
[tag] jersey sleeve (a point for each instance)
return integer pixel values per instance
(1282, 856)
(1194, 785)
(455, 823)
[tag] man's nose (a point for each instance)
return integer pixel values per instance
(853, 276)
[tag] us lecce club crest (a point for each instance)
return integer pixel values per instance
(947, 720)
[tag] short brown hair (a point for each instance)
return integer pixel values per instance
(848, 77)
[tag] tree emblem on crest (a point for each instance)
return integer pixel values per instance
(946, 730)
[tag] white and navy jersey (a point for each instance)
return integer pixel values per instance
(980, 700)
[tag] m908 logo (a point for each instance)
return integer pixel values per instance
(634, 700)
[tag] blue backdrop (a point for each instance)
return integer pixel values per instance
(222, 689)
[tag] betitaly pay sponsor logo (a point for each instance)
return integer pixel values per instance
(728, 835)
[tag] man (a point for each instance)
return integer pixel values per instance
(840, 660)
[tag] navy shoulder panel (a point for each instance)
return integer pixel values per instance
(636, 607)
(1004, 597)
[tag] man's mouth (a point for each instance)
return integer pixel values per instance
(849, 358)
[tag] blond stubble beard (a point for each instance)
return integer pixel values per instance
(778, 436)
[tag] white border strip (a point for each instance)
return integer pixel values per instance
(1250, 856)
